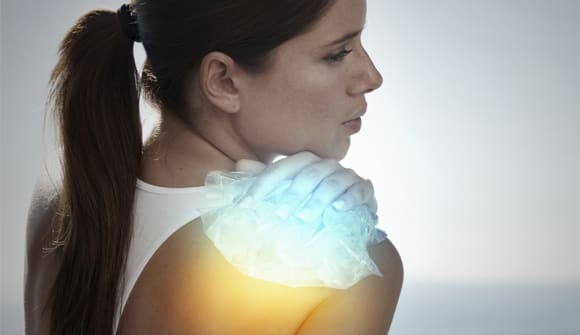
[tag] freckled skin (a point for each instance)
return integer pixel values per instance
(302, 101)
(299, 104)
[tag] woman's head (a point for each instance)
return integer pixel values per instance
(310, 89)
(263, 73)
(254, 73)
(178, 34)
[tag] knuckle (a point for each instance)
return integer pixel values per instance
(309, 155)
(350, 171)
(334, 164)
(347, 198)
(358, 193)
(315, 203)
(348, 174)
(292, 197)
(331, 161)
(311, 172)
(331, 183)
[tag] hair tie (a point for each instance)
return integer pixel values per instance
(128, 21)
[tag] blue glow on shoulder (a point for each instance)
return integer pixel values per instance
(330, 251)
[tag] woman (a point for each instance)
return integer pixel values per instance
(237, 83)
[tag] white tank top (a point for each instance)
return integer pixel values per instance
(158, 213)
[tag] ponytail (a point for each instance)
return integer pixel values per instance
(95, 94)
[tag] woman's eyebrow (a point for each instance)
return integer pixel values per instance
(344, 38)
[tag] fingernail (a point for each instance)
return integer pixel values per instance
(339, 204)
(306, 214)
(283, 211)
(246, 202)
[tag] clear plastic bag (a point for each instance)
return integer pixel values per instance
(330, 251)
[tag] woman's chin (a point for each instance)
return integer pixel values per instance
(338, 151)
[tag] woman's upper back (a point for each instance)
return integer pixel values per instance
(188, 287)
(185, 287)
(171, 258)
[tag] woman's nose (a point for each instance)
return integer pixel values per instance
(369, 77)
(374, 77)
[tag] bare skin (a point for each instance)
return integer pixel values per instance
(231, 118)
(40, 268)
(224, 301)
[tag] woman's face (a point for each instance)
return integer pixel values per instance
(312, 87)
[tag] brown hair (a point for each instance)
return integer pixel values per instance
(95, 93)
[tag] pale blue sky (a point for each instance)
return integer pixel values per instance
(478, 133)
(472, 142)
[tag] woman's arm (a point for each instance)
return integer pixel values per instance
(40, 268)
(368, 307)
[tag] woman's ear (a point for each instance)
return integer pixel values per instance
(217, 77)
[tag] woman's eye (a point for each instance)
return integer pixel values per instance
(339, 56)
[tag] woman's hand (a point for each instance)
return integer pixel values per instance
(325, 179)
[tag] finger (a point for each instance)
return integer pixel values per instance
(251, 166)
(327, 191)
(361, 193)
(305, 182)
(275, 173)
(372, 204)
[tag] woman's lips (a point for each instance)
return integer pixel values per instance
(353, 125)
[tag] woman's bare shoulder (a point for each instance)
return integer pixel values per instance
(189, 287)
(365, 308)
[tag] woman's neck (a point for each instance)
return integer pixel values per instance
(177, 156)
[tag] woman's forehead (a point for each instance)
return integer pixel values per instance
(343, 18)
